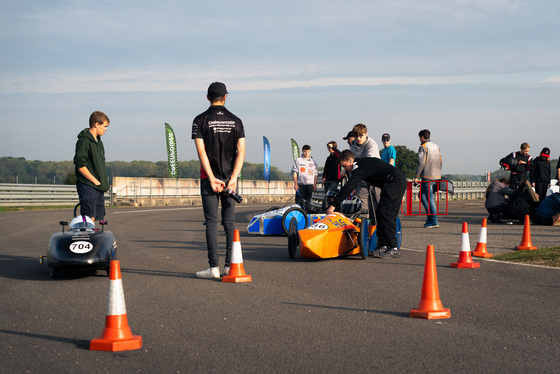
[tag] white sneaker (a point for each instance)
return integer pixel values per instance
(209, 273)
(226, 271)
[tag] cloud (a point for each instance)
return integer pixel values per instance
(243, 80)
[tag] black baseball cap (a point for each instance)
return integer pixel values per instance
(350, 135)
(385, 137)
(217, 89)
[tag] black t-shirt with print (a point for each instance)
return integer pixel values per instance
(220, 129)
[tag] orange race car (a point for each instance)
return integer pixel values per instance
(332, 236)
(336, 235)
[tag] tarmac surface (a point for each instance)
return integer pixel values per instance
(313, 316)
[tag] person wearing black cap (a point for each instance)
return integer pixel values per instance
(350, 137)
(219, 138)
(392, 184)
(389, 153)
(540, 173)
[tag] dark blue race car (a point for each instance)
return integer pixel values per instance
(82, 246)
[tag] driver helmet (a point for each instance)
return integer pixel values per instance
(82, 222)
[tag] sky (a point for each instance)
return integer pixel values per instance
(482, 75)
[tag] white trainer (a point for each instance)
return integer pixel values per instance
(209, 273)
(226, 271)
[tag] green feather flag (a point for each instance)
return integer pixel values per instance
(171, 151)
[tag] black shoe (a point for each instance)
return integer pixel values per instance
(377, 251)
(496, 218)
(390, 253)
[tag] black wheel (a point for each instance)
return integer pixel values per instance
(363, 238)
(53, 272)
(297, 213)
(293, 239)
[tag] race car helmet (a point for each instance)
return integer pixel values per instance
(352, 206)
(509, 162)
(82, 222)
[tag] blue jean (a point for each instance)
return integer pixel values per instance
(427, 199)
(210, 205)
(92, 201)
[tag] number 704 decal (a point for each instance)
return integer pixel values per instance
(81, 247)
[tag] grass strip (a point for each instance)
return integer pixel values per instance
(544, 257)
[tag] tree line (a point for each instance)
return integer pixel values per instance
(20, 170)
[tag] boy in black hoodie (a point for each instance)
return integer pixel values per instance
(392, 183)
(331, 171)
(91, 173)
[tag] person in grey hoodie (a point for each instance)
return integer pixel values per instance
(90, 169)
(362, 147)
(429, 169)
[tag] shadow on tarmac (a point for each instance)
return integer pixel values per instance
(79, 343)
(396, 314)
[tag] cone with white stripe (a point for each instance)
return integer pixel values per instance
(465, 260)
(481, 249)
(116, 335)
(236, 272)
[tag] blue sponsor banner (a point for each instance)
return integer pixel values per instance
(266, 171)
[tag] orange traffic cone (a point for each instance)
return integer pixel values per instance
(481, 249)
(465, 260)
(430, 306)
(236, 271)
(526, 244)
(116, 335)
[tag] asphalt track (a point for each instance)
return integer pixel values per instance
(296, 316)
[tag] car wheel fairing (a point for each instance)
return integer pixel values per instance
(298, 214)
(363, 238)
(293, 240)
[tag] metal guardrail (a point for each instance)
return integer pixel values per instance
(12, 194)
(54, 194)
(464, 190)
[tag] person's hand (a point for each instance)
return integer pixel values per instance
(232, 185)
(314, 187)
(324, 180)
(217, 185)
(416, 180)
(330, 210)
(296, 187)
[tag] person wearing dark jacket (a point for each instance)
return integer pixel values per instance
(90, 169)
(522, 166)
(496, 199)
(392, 183)
(540, 173)
(331, 171)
